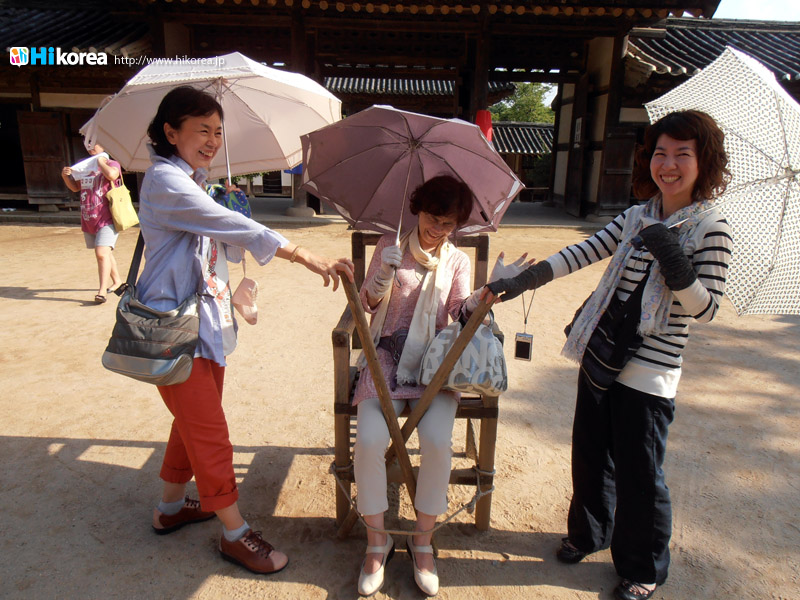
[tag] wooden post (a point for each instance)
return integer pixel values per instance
(483, 508)
(371, 355)
(341, 394)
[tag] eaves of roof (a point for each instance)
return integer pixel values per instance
(400, 87)
(689, 45)
(511, 137)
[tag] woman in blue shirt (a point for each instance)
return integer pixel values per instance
(188, 239)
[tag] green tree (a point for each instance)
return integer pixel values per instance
(525, 104)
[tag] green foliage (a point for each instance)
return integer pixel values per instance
(537, 170)
(526, 104)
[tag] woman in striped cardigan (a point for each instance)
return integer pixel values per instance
(669, 257)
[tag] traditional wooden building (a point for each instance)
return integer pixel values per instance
(656, 59)
(367, 52)
(527, 148)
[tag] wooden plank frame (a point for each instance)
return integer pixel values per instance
(484, 408)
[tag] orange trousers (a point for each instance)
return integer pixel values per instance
(199, 444)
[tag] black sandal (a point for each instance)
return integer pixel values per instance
(568, 553)
(630, 590)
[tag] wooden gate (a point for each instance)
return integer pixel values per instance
(44, 152)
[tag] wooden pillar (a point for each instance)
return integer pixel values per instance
(36, 98)
(480, 81)
(298, 60)
(474, 91)
(155, 18)
(299, 63)
(576, 161)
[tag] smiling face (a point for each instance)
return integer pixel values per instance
(674, 170)
(197, 140)
(433, 230)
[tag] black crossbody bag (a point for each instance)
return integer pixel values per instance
(614, 340)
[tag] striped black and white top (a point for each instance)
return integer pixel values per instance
(656, 367)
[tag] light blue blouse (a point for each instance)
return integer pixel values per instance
(177, 219)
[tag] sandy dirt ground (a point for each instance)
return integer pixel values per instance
(81, 448)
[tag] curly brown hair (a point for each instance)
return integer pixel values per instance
(443, 195)
(712, 160)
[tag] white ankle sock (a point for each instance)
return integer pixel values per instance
(171, 508)
(235, 534)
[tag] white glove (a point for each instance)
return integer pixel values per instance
(391, 257)
(471, 303)
(503, 271)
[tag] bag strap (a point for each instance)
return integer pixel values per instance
(133, 272)
(638, 292)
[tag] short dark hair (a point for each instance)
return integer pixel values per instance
(175, 108)
(443, 195)
(712, 161)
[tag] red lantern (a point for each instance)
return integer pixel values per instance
(483, 119)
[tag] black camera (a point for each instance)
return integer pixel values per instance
(523, 346)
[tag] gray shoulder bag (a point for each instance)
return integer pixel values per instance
(151, 345)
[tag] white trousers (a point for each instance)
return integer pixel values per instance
(435, 432)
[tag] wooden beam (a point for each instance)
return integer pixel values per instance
(394, 25)
(437, 74)
(272, 21)
(534, 77)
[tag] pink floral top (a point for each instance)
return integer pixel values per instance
(95, 212)
(456, 271)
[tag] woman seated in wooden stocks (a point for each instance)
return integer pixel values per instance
(411, 289)
(188, 240)
(669, 261)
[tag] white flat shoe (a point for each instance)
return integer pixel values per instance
(427, 581)
(370, 583)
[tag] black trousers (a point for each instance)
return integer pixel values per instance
(620, 498)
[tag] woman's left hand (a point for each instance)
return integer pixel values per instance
(663, 243)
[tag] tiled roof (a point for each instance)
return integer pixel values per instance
(73, 30)
(400, 87)
(510, 137)
(691, 44)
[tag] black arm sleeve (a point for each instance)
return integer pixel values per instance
(531, 278)
(663, 244)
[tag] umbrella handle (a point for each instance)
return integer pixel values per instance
(638, 243)
(403, 203)
(227, 158)
(218, 97)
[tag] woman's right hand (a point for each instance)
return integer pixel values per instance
(330, 268)
(66, 172)
(391, 257)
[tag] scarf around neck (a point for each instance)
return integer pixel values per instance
(423, 323)
(657, 297)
